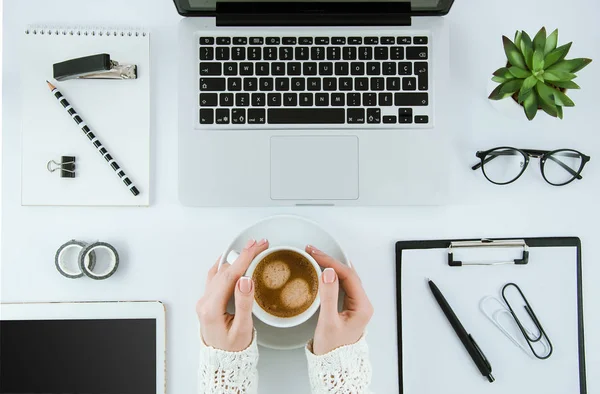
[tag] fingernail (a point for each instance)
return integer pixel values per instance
(250, 243)
(314, 250)
(262, 242)
(245, 284)
(328, 275)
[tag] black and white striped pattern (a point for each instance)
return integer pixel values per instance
(95, 141)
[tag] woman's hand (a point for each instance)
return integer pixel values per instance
(219, 329)
(336, 329)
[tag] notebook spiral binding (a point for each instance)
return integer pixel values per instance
(85, 31)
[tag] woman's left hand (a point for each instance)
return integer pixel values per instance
(219, 329)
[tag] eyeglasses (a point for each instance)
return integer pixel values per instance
(505, 165)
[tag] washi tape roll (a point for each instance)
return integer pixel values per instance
(88, 250)
(59, 259)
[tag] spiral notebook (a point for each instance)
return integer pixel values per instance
(117, 111)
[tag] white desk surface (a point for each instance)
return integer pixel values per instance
(167, 248)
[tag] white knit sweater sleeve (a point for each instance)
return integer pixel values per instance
(345, 370)
(223, 372)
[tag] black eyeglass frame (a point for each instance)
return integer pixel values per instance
(543, 155)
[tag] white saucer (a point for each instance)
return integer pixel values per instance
(294, 231)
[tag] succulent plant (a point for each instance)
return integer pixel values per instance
(537, 74)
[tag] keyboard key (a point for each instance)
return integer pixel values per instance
(274, 99)
(226, 99)
(282, 84)
(208, 99)
(256, 116)
(222, 116)
(409, 83)
(322, 40)
(373, 68)
(294, 69)
(369, 99)
(298, 84)
(354, 40)
(262, 68)
(277, 68)
(246, 68)
(342, 68)
(254, 53)
(212, 84)
(357, 68)
(317, 53)
(313, 84)
(356, 115)
(301, 53)
(256, 40)
(338, 99)
(322, 100)
(365, 53)
(207, 116)
(334, 53)
(306, 99)
(258, 99)
(345, 84)
(238, 53)
(388, 40)
(353, 99)
(349, 53)
(290, 99)
(338, 40)
(361, 84)
(240, 40)
(230, 69)
(377, 84)
(392, 83)
(404, 119)
(207, 40)
(403, 40)
(420, 40)
(416, 53)
(286, 53)
(385, 99)
(397, 53)
(389, 68)
(411, 99)
(272, 40)
(371, 40)
(421, 70)
(207, 53)
(288, 41)
(381, 53)
(234, 84)
(210, 68)
(270, 53)
(421, 119)
(242, 99)
(373, 115)
(251, 84)
(405, 112)
(389, 119)
(238, 116)
(329, 84)
(305, 41)
(309, 68)
(404, 68)
(306, 116)
(265, 84)
(223, 40)
(222, 53)
(325, 68)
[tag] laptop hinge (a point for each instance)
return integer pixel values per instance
(313, 14)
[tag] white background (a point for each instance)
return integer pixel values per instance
(167, 248)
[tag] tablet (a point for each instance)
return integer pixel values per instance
(82, 347)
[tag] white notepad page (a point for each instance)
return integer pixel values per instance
(117, 111)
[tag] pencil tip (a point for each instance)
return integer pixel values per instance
(52, 87)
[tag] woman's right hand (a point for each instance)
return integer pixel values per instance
(336, 329)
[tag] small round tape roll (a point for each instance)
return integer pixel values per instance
(88, 250)
(59, 259)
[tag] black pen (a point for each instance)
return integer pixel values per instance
(467, 339)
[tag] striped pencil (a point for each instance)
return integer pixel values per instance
(95, 141)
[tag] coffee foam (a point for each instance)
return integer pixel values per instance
(295, 294)
(276, 274)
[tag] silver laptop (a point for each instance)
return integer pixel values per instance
(312, 103)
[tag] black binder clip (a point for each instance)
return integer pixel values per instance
(66, 166)
(94, 67)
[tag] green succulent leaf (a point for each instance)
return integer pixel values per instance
(503, 73)
(513, 54)
(538, 60)
(571, 66)
(526, 88)
(551, 42)
(518, 72)
(562, 99)
(496, 95)
(557, 55)
(518, 39)
(556, 75)
(565, 84)
(527, 49)
(530, 105)
(559, 111)
(499, 79)
(546, 99)
(511, 86)
(539, 41)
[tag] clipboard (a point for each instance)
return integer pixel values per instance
(431, 358)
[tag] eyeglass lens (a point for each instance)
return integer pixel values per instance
(561, 167)
(503, 165)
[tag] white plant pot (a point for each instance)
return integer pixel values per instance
(508, 107)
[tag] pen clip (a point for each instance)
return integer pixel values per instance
(483, 357)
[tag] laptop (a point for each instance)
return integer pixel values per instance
(313, 103)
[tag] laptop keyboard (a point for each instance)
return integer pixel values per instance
(289, 80)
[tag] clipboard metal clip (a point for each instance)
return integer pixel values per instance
(510, 243)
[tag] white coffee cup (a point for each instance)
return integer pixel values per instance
(266, 317)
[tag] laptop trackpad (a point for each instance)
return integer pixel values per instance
(314, 168)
